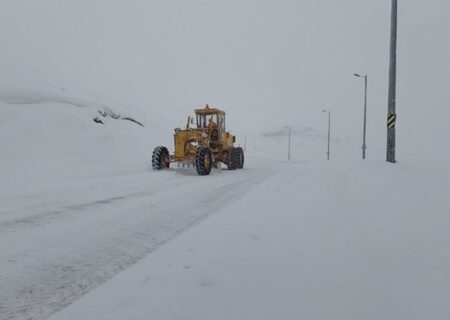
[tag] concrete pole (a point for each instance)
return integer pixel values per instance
(329, 132)
(364, 146)
(290, 143)
(390, 148)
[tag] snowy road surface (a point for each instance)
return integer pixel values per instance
(321, 240)
(60, 242)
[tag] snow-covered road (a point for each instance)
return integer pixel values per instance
(321, 240)
(60, 242)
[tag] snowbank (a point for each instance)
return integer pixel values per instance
(54, 141)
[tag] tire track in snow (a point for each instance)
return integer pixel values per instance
(69, 253)
(42, 218)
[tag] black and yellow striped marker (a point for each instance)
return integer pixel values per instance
(391, 120)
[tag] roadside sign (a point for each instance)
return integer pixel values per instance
(392, 117)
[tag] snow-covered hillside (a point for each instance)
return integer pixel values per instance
(79, 203)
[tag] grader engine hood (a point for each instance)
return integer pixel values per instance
(186, 142)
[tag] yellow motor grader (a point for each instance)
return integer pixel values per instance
(204, 144)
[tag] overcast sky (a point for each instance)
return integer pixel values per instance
(267, 63)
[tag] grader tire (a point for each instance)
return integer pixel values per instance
(160, 158)
(203, 161)
(240, 157)
(233, 159)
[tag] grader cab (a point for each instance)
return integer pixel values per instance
(204, 143)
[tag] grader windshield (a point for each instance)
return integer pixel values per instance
(210, 118)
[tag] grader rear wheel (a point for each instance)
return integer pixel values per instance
(233, 160)
(240, 157)
(203, 161)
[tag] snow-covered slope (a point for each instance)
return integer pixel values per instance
(79, 203)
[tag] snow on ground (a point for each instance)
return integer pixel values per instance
(314, 239)
(323, 240)
(62, 249)
(343, 239)
(79, 204)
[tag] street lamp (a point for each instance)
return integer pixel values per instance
(365, 113)
(329, 125)
(289, 142)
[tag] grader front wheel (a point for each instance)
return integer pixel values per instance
(160, 158)
(203, 161)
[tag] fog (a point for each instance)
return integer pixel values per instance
(267, 63)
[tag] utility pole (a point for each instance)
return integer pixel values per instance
(289, 143)
(329, 130)
(392, 116)
(364, 146)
